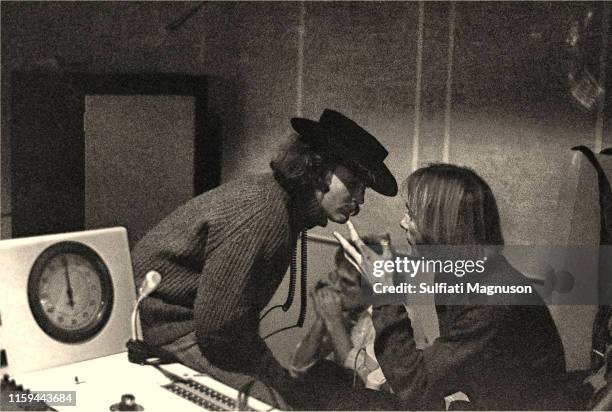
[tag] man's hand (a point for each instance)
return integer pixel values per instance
(363, 258)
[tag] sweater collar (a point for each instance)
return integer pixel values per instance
(304, 213)
(307, 214)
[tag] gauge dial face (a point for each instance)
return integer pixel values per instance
(70, 292)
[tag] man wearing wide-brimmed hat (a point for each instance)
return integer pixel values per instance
(223, 254)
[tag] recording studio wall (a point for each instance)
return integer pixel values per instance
(492, 95)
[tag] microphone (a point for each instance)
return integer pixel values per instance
(560, 282)
(138, 351)
(149, 284)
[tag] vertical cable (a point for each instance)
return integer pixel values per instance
(299, 107)
(301, 31)
(299, 103)
(449, 83)
(303, 278)
(599, 124)
(417, 89)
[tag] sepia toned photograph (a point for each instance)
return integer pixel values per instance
(305, 205)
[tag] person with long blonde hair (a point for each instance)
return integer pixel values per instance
(504, 355)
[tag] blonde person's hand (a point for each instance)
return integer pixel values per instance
(363, 258)
(315, 302)
(329, 304)
(321, 284)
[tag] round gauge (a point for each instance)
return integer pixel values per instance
(70, 292)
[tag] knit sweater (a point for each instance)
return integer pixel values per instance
(222, 256)
(503, 357)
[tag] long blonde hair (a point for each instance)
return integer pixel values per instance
(452, 205)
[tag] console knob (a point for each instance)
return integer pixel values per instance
(128, 403)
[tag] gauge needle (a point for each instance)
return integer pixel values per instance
(68, 285)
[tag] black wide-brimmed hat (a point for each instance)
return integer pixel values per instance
(336, 133)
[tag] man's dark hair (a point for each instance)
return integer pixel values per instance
(300, 168)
